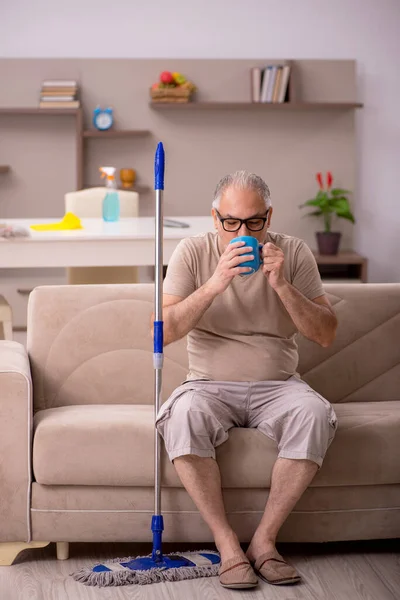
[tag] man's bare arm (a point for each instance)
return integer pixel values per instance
(181, 315)
(314, 319)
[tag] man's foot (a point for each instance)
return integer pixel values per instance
(258, 547)
(237, 573)
(268, 563)
(229, 547)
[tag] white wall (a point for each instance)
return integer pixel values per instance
(366, 30)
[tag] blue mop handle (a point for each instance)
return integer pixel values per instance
(157, 523)
(159, 169)
(157, 527)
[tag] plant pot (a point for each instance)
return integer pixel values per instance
(328, 242)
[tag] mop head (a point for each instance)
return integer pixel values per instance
(143, 569)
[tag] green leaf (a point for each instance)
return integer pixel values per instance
(346, 215)
(339, 192)
(340, 204)
(315, 213)
(312, 202)
(342, 208)
(331, 204)
(339, 198)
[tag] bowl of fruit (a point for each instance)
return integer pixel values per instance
(172, 87)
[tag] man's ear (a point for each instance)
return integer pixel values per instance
(270, 211)
(215, 218)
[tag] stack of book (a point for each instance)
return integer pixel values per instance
(270, 84)
(59, 94)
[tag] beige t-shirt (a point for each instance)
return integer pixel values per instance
(246, 334)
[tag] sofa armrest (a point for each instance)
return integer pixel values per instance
(15, 442)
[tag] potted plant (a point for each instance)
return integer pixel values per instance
(329, 202)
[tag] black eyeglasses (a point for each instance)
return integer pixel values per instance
(254, 224)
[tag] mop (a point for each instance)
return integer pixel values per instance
(156, 567)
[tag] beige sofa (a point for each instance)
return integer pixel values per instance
(76, 425)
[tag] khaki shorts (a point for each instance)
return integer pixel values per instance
(198, 415)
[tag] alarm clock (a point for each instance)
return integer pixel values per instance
(103, 118)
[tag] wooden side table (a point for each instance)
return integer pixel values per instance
(344, 266)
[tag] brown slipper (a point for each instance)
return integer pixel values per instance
(272, 568)
(237, 573)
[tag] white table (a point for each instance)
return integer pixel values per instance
(128, 242)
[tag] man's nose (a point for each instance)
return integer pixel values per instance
(244, 230)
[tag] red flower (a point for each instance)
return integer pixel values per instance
(329, 179)
(319, 179)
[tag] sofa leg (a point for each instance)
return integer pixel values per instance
(62, 550)
(10, 550)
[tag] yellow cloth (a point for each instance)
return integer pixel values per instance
(69, 221)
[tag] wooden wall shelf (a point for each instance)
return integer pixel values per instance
(311, 80)
(256, 105)
(4, 168)
(80, 135)
(115, 133)
(40, 111)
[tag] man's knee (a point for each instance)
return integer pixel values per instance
(310, 429)
(314, 412)
(189, 431)
(185, 417)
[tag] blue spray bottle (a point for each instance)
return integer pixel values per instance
(111, 208)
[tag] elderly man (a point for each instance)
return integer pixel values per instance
(243, 357)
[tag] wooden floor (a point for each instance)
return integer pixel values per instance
(346, 571)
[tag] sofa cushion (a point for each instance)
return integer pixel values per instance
(113, 446)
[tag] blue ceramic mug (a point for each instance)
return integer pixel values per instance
(255, 244)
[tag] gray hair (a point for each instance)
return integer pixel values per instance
(245, 181)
